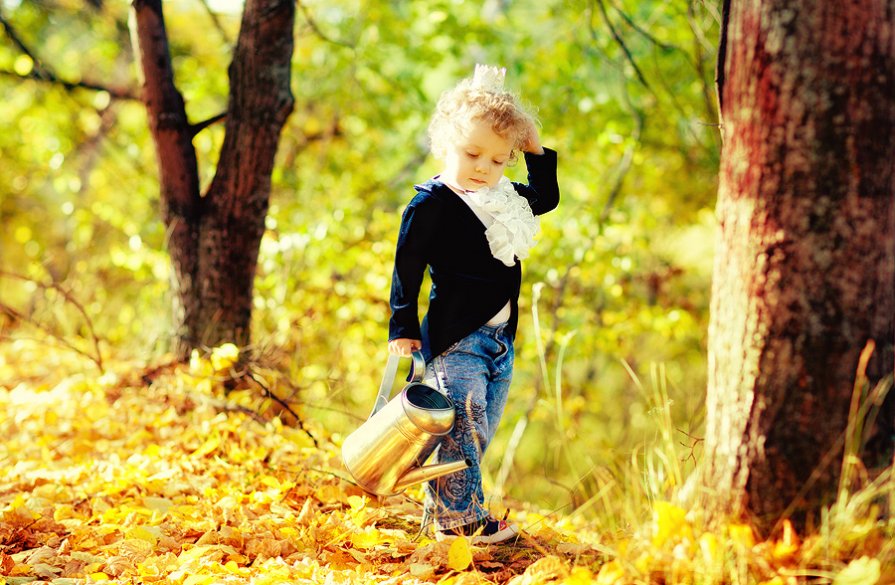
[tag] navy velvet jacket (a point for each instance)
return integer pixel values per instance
(469, 285)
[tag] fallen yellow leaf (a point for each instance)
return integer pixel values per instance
(209, 446)
(742, 534)
(142, 533)
(788, 545)
(611, 573)
(669, 523)
(579, 576)
(863, 571)
(366, 539)
(459, 555)
(224, 356)
(357, 502)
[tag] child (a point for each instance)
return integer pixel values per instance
(471, 226)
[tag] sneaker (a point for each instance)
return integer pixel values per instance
(486, 531)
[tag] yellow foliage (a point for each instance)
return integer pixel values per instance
(578, 576)
(742, 535)
(862, 571)
(611, 573)
(459, 554)
(142, 533)
(224, 356)
(710, 547)
(788, 545)
(366, 539)
(669, 524)
(120, 484)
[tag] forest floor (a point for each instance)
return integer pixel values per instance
(124, 472)
(156, 475)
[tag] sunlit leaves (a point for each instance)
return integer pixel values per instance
(114, 483)
(459, 554)
(862, 571)
(669, 524)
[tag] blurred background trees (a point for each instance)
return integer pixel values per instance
(614, 304)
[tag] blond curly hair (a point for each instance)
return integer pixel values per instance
(458, 107)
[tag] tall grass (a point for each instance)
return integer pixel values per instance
(637, 507)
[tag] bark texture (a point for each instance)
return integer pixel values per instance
(214, 239)
(805, 266)
(179, 197)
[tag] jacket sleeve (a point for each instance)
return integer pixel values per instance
(418, 226)
(542, 190)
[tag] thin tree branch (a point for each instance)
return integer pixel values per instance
(282, 403)
(666, 47)
(627, 159)
(217, 23)
(200, 126)
(699, 50)
(644, 33)
(115, 92)
(622, 171)
(622, 45)
(41, 72)
(316, 29)
(97, 357)
(594, 47)
(222, 405)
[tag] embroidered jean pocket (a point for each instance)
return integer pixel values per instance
(436, 377)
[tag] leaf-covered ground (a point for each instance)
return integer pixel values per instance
(168, 474)
(131, 478)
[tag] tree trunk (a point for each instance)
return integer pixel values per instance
(178, 169)
(237, 200)
(214, 240)
(805, 267)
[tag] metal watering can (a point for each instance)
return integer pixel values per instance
(386, 454)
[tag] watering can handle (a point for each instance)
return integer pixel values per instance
(417, 371)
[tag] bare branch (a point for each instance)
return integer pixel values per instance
(200, 126)
(281, 402)
(115, 92)
(217, 23)
(41, 72)
(622, 45)
(624, 166)
(316, 28)
(699, 50)
(18, 42)
(644, 33)
(96, 357)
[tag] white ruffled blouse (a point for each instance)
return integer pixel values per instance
(511, 225)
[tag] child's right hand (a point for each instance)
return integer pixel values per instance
(532, 142)
(403, 346)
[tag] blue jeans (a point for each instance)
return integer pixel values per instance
(475, 374)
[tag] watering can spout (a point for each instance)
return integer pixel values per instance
(428, 472)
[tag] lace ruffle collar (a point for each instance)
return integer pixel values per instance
(511, 234)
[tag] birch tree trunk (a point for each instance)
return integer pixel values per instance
(804, 274)
(213, 240)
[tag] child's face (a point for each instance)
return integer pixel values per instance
(477, 158)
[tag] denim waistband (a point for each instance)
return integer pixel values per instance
(494, 329)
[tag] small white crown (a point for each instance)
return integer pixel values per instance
(488, 77)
